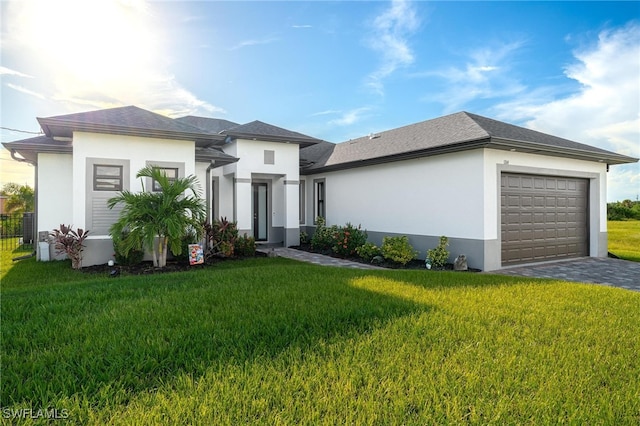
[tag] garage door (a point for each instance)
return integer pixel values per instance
(543, 218)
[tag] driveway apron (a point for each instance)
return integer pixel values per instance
(596, 270)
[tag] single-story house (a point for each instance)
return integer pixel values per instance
(502, 194)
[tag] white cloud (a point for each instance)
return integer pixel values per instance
(604, 112)
(254, 42)
(389, 38)
(486, 75)
(351, 117)
(301, 26)
(8, 71)
(25, 91)
(99, 53)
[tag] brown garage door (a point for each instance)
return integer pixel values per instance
(543, 218)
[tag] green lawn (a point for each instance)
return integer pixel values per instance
(624, 239)
(274, 341)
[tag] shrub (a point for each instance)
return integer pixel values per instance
(245, 246)
(623, 210)
(124, 256)
(368, 251)
(304, 237)
(398, 249)
(322, 239)
(347, 239)
(439, 255)
(221, 236)
(68, 241)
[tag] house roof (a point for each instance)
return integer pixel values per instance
(209, 125)
(455, 132)
(215, 155)
(268, 132)
(129, 120)
(29, 148)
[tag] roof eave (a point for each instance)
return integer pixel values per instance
(428, 152)
(49, 127)
(610, 158)
(303, 142)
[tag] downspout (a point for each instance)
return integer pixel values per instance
(35, 200)
(208, 189)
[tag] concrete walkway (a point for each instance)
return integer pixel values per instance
(597, 270)
(317, 259)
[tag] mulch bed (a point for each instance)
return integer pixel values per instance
(146, 267)
(413, 264)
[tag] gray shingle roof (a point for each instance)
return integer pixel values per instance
(455, 132)
(209, 125)
(28, 148)
(121, 117)
(264, 131)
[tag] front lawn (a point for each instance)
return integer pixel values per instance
(274, 341)
(624, 239)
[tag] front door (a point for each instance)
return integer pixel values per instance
(260, 209)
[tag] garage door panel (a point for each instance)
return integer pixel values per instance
(543, 218)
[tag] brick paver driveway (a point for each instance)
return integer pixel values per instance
(598, 270)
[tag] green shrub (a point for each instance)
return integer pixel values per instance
(304, 238)
(398, 249)
(322, 239)
(245, 246)
(126, 257)
(439, 255)
(368, 251)
(347, 239)
(221, 237)
(623, 210)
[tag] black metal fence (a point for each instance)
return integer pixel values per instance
(17, 232)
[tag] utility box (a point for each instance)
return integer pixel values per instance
(43, 246)
(27, 228)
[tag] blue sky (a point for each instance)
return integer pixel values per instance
(333, 70)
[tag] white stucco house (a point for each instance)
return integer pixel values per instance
(503, 194)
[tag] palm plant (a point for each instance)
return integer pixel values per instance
(158, 220)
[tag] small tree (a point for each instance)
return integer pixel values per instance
(159, 220)
(20, 198)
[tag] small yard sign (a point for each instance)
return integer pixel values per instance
(196, 256)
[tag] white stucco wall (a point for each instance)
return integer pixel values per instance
(441, 195)
(55, 195)
(137, 150)
(283, 173)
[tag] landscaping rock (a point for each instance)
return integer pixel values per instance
(460, 264)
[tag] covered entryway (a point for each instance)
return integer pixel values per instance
(543, 218)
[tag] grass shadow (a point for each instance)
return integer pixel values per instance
(109, 339)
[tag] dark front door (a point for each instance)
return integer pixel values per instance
(260, 209)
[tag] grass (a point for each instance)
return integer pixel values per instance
(273, 341)
(624, 239)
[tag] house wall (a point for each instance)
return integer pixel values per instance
(273, 163)
(55, 196)
(137, 152)
(456, 195)
(423, 198)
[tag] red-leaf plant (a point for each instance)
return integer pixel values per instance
(68, 241)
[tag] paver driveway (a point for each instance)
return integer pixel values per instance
(598, 270)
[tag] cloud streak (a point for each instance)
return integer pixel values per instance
(253, 42)
(391, 30)
(485, 75)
